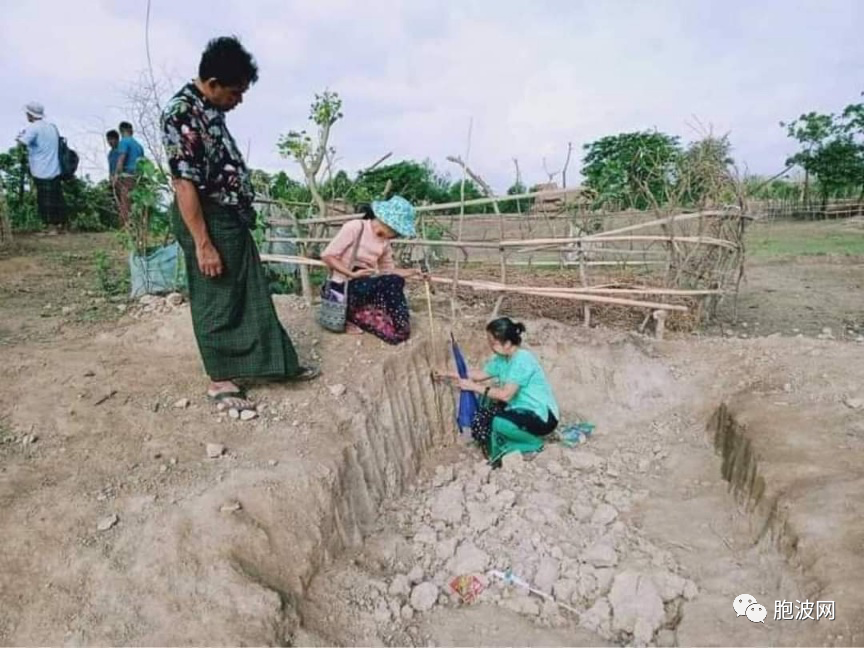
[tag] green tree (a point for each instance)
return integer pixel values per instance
(832, 151)
(632, 170)
(311, 153)
(417, 182)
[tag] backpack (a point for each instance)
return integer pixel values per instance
(67, 156)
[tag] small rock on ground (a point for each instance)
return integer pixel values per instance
(107, 522)
(424, 596)
(215, 450)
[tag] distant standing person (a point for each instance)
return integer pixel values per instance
(238, 332)
(42, 140)
(112, 137)
(129, 151)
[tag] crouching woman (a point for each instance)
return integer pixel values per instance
(523, 407)
(360, 259)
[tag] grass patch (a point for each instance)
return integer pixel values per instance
(780, 239)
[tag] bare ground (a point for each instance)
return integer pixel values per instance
(89, 430)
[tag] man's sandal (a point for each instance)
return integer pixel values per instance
(305, 374)
(234, 399)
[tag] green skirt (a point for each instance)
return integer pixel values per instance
(235, 322)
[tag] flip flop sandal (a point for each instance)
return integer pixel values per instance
(305, 374)
(224, 397)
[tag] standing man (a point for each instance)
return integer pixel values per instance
(129, 151)
(238, 332)
(42, 140)
(113, 139)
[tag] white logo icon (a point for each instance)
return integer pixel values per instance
(757, 613)
(741, 603)
(746, 605)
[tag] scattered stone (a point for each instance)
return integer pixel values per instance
(107, 522)
(407, 613)
(234, 413)
(67, 310)
(670, 586)
(338, 390)
(854, 403)
(481, 516)
(273, 462)
(581, 511)
(248, 415)
(445, 549)
(399, 586)
(174, 299)
(583, 460)
(443, 476)
(447, 505)
(215, 450)
(522, 605)
(425, 535)
(637, 607)
(604, 515)
(183, 403)
(601, 554)
(512, 462)
(469, 559)
(547, 575)
(424, 596)
(597, 619)
(564, 589)
(787, 388)
(504, 500)
(29, 439)
(231, 507)
(415, 575)
(555, 469)
(691, 591)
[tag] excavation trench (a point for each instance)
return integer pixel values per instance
(575, 524)
(323, 517)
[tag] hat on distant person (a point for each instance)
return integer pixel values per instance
(398, 214)
(35, 110)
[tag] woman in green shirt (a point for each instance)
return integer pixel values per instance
(514, 378)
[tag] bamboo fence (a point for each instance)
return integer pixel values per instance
(5, 224)
(677, 262)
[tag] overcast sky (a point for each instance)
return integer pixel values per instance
(532, 76)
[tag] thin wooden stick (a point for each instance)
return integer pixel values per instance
(429, 306)
(422, 209)
(559, 295)
(512, 243)
(461, 220)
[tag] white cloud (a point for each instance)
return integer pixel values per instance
(412, 73)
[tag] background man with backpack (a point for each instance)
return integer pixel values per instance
(42, 140)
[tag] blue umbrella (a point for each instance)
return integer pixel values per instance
(467, 399)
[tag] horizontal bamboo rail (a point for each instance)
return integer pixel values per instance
(424, 209)
(583, 297)
(518, 243)
(576, 294)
